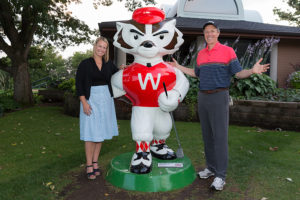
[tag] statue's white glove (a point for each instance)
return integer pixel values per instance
(170, 103)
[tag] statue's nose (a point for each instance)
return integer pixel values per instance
(147, 44)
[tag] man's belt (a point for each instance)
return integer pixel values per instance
(213, 91)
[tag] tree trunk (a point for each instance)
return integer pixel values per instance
(22, 84)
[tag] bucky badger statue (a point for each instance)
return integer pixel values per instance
(147, 37)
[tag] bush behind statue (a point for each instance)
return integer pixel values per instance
(68, 86)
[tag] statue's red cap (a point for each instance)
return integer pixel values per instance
(148, 15)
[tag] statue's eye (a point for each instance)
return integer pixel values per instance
(136, 37)
(161, 37)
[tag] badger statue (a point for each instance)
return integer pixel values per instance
(148, 37)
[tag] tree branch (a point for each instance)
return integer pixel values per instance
(7, 21)
(6, 48)
(29, 37)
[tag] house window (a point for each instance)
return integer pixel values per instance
(224, 7)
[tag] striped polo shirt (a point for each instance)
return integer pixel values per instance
(215, 67)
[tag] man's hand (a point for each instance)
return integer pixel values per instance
(258, 68)
(123, 66)
(174, 63)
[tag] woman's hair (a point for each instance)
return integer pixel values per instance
(106, 55)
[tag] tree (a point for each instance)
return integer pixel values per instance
(24, 23)
(292, 16)
(46, 62)
(74, 61)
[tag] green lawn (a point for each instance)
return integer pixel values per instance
(39, 146)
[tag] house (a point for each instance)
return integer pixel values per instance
(234, 22)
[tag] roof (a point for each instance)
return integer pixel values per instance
(228, 27)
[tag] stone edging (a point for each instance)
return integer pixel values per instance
(266, 114)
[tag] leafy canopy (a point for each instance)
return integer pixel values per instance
(293, 16)
(49, 21)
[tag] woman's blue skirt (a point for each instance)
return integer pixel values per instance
(102, 123)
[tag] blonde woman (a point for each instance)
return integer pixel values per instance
(97, 110)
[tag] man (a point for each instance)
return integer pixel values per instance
(215, 66)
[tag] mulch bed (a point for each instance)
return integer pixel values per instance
(86, 189)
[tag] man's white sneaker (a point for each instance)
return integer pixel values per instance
(205, 173)
(218, 184)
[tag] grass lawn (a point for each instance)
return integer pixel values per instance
(40, 146)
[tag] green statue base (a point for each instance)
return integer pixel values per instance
(171, 175)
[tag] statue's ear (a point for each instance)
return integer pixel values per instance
(119, 26)
(170, 22)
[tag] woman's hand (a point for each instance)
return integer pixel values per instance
(87, 109)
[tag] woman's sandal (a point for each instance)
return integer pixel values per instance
(96, 171)
(91, 175)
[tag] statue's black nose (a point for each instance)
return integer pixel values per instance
(147, 44)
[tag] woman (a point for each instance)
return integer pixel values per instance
(97, 111)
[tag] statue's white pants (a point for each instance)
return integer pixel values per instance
(148, 123)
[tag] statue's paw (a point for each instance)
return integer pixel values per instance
(163, 152)
(141, 163)
(170, 103)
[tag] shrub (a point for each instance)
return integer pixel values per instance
(294, 80)
(261, 49)
(68, 86)
(191, 96)
(1, 110)
(8, 103)
(281, 94)
(255, 85)
(289, 95)
(38, 99)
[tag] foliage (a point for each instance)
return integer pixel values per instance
(292, 16)
(255, 85)
(46, 142)
(46, 23)
(24, 23)
(5, 79)
(68, 86)
(50, 21)
(46, 62)
(75, 60)
(46, 67)
(7, 103)
(261, 49)
(189, 60)
(38, 99)
(294, 79)
(131, 5)
(191, 97)
(280, 94)
(289, 95)
(1, 110)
